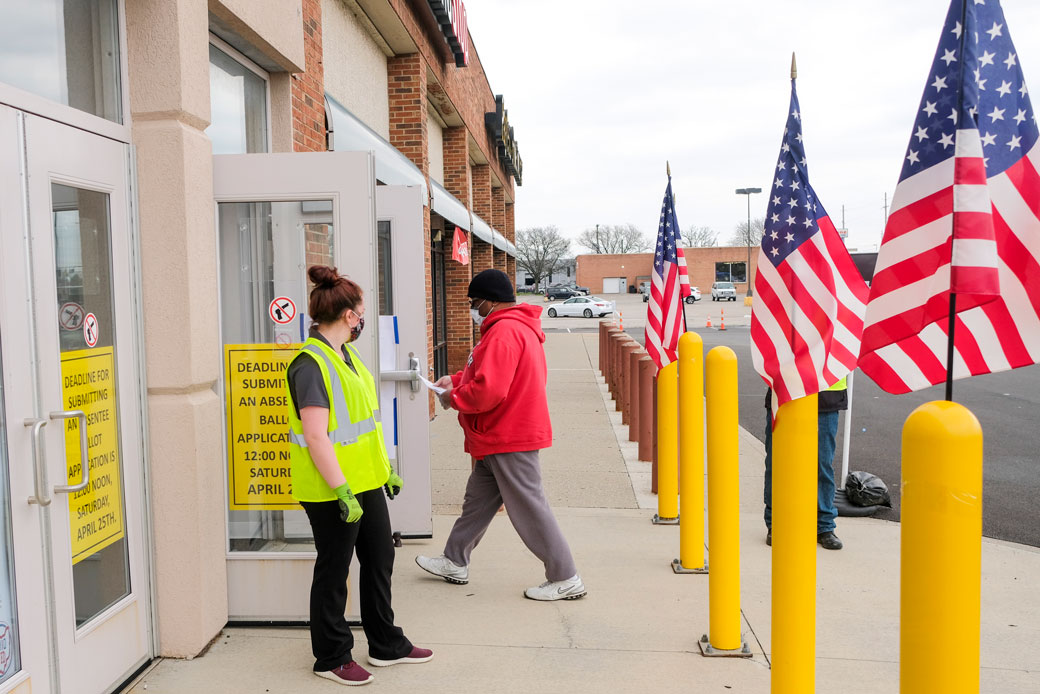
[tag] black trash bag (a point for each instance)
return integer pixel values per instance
(867, 489)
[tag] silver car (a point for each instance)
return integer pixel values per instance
(723, 290)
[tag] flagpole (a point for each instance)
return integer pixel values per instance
(952, 319)
(682, 299)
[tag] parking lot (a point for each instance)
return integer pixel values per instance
(632, 310)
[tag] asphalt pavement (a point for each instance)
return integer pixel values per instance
(1006, 404)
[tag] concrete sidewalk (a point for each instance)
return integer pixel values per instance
(638, 627)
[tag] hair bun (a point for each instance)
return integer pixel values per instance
(323, 276)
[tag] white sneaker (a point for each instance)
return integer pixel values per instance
(445, 568)
(571, 589)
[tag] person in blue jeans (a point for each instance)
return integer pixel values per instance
(830, 402)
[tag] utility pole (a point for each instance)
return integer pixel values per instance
(885, 208)
(598, 249)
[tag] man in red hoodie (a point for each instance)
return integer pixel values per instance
(501, 400)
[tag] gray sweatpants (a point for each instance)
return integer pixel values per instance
(516, 479)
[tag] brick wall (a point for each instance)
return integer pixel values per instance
(468, 88)
(457, 276)
(308, 88)
(499, 260)
(481, 179)
(700, 263)
(481, 258)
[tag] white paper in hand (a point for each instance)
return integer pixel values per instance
(430, 385)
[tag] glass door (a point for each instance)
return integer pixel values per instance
(278, 214)
(71, 360)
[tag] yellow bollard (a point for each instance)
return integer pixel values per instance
(667, 446)
(691, 456)
(940, 550)
(794, 548)
(723, 637)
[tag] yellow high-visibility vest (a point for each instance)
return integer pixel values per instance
(840, 385)
(354, 427)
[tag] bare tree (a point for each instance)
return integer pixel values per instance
(742, 237)
(539, 251)
(614, 238)
(700, 237)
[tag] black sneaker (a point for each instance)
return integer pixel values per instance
(829, 540)
(769, 537)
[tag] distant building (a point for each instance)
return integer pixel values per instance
(617, 274)
(566, 272)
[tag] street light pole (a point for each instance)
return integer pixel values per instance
(598, 249)
(747, 268)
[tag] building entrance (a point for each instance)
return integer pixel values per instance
(74, 586)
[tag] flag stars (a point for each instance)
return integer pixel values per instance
(1004, 89)
(912, 157)
(775, 234)
(1020, 116)
(921, 134)
(953, 116)
(986, 58)
(929, 108)
(790, 220)
(775, 252)
(794, 185)
(946, 140)
(778, 183)
(807, 222)
(777, 200)
(792, 202)
(957, 30)
(797, 116)
(939, 83)
(949, 57)
(1022, 90)
(989, 139)
(789, 237)
(997, 114)
(997, 30)
(1015, 143)
(775, 218)
(1012, 61)
(785, 147)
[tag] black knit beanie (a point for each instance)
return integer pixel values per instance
(493, 285)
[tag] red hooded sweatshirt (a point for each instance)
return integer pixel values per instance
(500, 395)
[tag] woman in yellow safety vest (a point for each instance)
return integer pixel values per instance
(339, 472)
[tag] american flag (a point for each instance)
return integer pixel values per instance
(964, 219)
(669, 285)
(807, 316)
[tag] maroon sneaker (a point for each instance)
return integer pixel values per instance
(418, 655)
(350, 674)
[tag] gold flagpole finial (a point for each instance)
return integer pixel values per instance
(794, 67)
(668, 168)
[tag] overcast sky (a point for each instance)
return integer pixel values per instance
(601, 93)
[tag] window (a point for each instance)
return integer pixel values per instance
(238, 104)
(731, 272)
(386, 269)
(64, 50)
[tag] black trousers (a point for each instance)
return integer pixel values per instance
(335, 542)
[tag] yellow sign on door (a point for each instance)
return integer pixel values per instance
(96, 513)
(258, 427)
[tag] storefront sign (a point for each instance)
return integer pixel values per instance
(96, 513)
(451, 14)
(501, 133)
(258, 427)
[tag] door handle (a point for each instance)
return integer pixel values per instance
(40, 497)
(412, 375)
(84, 462)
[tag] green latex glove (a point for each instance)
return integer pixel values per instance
(393, 485)
(349, 509)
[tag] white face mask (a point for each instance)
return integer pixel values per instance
(475, 315)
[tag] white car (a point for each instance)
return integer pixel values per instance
(695, 295)
(588, 306)
(723, 290)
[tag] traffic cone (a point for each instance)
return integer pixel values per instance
(722, 321)
(709, 321)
